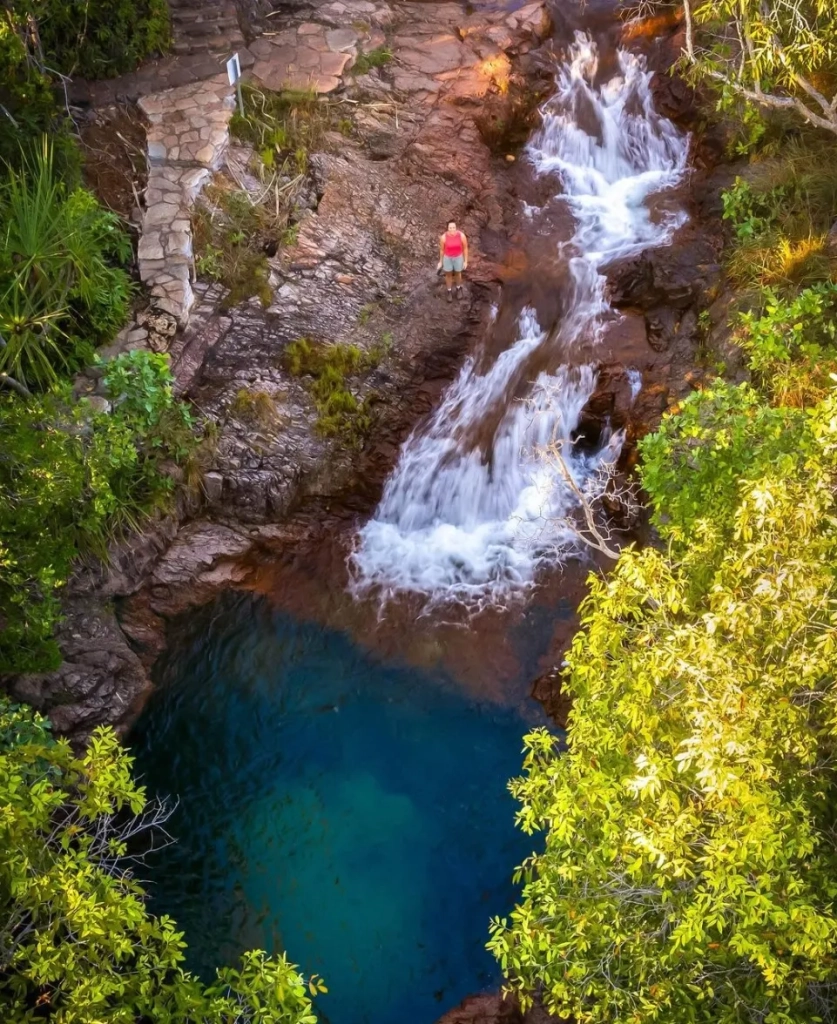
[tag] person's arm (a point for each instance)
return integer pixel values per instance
(441, 249)
(465, 250)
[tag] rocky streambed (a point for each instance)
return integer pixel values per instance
(279, 506)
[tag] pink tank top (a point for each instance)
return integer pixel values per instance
(453, 244)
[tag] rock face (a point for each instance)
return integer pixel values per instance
(676, 276)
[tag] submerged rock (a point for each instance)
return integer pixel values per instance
(494, 1008)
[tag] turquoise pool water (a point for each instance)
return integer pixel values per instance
(351, 812)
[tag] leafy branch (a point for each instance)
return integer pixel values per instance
(768, 52)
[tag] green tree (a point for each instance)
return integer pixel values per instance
(689, 873)
(77, 944)
(27, 99)
(778, 54)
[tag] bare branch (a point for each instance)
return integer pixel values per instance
(602, 497)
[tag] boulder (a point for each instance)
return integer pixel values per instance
(676, 276)
(495, 1008)
(667, 326)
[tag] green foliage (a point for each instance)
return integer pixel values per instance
(689, 872)
(781, 215)
(102, 39)
(377, 58)
(70, 480)
(77, 943)
(229, 240)
(751, 212)
(772, 54)
(695, 464)
(283, 126)
(339, 412)
(61, 289)
(791, 343)
(28, 106)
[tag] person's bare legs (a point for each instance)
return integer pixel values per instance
(449, 283)
(457, 277)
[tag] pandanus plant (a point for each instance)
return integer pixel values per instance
(61, 289)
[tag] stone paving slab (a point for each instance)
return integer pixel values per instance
(309, 56)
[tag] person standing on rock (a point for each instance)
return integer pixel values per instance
(453, 258)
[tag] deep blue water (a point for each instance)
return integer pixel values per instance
(351, 812)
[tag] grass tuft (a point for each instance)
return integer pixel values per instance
(377, 58)
(255, 407)
(772, 260)
(230, 235)
(339, 412)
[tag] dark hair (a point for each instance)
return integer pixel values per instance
(449, 221)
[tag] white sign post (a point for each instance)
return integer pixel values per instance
(234, 75)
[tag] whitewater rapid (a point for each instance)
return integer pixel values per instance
(472, 521)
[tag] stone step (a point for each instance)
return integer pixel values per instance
(190, 17)
(221, 25)
(208, 44)
(185, 7)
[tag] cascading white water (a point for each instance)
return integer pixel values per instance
(461, 523)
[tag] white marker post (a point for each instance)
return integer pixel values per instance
(234, 75)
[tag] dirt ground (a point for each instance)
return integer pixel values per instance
(113, 145)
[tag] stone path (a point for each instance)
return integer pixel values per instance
(187, 139)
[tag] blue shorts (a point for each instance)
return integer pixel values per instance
(453, 264)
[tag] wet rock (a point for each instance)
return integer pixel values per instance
(609, 407)
(831, 240)
(674, 97)
(676, 276)
(494, 1008)
(99, 680)
(667, 326)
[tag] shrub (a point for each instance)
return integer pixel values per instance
(781, 215)
(791, 343)
(27, 99)
(61, 289)
(104, 39)
(283, 126)
(230, 240)
(77, 942)
(70, 480)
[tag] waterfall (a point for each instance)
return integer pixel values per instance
(472, 510)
